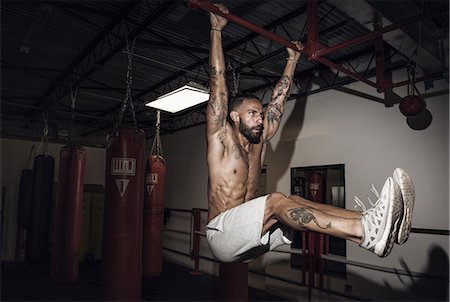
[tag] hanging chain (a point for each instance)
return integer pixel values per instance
(156, 146)
(411, 70)
(73, 99)
(129, 80)
(44, 138)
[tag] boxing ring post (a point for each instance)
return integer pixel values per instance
(313, 49)
(196, 233)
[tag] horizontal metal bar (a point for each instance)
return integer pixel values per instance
(430, 231)
(200, 233)
(208, 6)
(177, 231)
(180, 210)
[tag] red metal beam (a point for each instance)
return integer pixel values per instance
(312, 47)
(377, 33)
(208, 6)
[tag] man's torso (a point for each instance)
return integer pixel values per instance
(233, 172)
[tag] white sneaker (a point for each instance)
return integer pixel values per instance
(408, 196)
(380, 223)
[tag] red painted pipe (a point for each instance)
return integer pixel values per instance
(208, 6)
(312, 48)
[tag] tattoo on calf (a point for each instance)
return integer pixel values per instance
(304, 215)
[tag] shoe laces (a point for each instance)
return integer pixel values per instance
(360, 204)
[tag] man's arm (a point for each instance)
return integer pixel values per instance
(275, 108)
(217, 108)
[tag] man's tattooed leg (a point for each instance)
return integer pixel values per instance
(304, 215)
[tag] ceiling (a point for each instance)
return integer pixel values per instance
(64, 63)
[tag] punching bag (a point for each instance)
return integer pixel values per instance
(25, 198)
(233, 279)
(121, 265)
(25, 195)
(153, 216)
(42, 188)
(68, 213)
(315, 187)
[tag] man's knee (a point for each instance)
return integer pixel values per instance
(274, 200)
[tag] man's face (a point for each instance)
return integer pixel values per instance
(251, 120)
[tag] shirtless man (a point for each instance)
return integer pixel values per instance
(241, 225)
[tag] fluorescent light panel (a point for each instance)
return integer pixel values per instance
(180, 99)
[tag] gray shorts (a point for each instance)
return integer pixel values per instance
(235, 235)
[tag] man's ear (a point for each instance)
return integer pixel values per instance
(234, 116)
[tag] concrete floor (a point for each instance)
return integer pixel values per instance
(31, 282)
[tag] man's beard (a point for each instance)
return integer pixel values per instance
(247, 132)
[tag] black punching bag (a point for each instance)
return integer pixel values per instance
(38, 231)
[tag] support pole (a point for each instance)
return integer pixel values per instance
(313, 35)
(195, 254)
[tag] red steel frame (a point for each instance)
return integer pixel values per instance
(316, 51)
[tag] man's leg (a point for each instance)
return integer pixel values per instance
(326, 208)
(375, 229)
(299, 214)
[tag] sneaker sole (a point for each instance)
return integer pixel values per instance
(384, 247)
(408, 197)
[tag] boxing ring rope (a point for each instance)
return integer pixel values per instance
(195, 235)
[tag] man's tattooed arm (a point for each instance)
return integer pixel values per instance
(303, 216)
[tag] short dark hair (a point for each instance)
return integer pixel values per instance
(237, 101)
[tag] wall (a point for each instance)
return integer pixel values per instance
(14, 158)
(371, 140)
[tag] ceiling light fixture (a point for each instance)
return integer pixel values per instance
(180, 99)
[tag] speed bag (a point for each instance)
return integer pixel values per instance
(121, 265)
(68, 213)
(36, 246)
(154, 194)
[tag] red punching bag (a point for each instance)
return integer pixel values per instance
(315, 186)
(68, 213)
(122, 222)
(153, 216)
(233, 279)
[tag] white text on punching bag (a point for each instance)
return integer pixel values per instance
(123, 166)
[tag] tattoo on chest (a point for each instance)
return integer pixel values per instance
(239, 153)
(304, 216)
